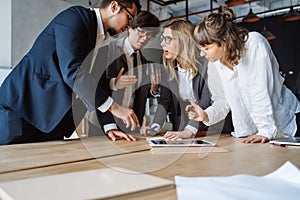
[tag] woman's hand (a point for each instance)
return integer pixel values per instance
(173, 135)
(256, 139)
(196, 113)
(146, 131)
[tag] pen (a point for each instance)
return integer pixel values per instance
(153, 128)
(280, 145)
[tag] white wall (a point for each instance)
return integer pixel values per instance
(5, 33)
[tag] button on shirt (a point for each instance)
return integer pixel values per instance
(254, 92)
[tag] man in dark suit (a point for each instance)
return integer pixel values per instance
(126, 81)
(38, 97)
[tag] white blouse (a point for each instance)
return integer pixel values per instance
(254, 92)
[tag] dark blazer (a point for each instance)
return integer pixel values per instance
(118, 60)
(41, 86)
(170, 101)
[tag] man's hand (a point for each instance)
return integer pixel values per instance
(146, 131)
(123, 81)
(256, 139)
(196, 113)
(127, 115)
(173, 135)
(116, 134)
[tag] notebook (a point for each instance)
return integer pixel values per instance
(92, 184)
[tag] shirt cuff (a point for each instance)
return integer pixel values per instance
(112, 84)
(106, 105)
(154, 95)
(192, 129)
(109, 127)
(155, 127)
(270, 134)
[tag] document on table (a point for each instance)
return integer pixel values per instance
(284, 183)
(92, 184)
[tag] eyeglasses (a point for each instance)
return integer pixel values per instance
(131, 16)
(143, 33)
(166, 39)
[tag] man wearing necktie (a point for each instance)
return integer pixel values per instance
(38, 97)
(127, 78)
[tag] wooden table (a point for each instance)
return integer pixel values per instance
(65, 156)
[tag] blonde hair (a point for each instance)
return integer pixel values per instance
(220, 28)
(182, 30)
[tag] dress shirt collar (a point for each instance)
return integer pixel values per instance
(127, 47)
(99, 22)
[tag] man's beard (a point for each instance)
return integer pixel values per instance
(112, 31)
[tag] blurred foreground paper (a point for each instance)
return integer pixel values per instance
(284, 183)
(92, 184)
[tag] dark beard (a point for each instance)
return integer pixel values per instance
(112, 31)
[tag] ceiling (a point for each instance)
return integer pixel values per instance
(166, 9)
(197, 9)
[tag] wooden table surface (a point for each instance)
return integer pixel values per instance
(253, 159)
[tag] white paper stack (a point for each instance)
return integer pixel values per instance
(284, 183)
(93, 184)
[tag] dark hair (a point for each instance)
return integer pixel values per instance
(220, 28)
(126, 3)
(145, 19)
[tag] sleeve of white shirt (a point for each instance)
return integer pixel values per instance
(261, 83)
(106, 105)
(219, 108)
(112, 84)
(109, 127)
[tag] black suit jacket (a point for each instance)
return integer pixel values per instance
(41, 86)
(170, 100)
(117, 58)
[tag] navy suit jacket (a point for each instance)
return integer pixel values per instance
(41, 86)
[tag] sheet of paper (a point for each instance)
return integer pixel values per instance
(92, 184)
(284, 183)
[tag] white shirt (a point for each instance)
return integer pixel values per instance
(100, 36)
(254, 92)
(185, 82)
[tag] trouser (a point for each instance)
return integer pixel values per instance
(14, 129)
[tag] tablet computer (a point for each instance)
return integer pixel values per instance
(161, 142)
(287, 141)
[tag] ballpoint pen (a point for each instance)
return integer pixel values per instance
(280, 145)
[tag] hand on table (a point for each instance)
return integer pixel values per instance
(173, 135)
(256, 139)
(116, 134)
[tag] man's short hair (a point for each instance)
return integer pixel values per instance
(126, 3)
(145, 19)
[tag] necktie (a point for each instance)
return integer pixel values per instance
(134, 56)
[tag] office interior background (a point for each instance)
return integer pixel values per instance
(22, 21)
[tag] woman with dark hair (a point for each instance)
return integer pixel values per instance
(244, 78)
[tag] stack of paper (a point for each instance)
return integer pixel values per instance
(284, 183)
(93, 184)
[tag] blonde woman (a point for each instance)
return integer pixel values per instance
(183, 81)
(243, 76)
